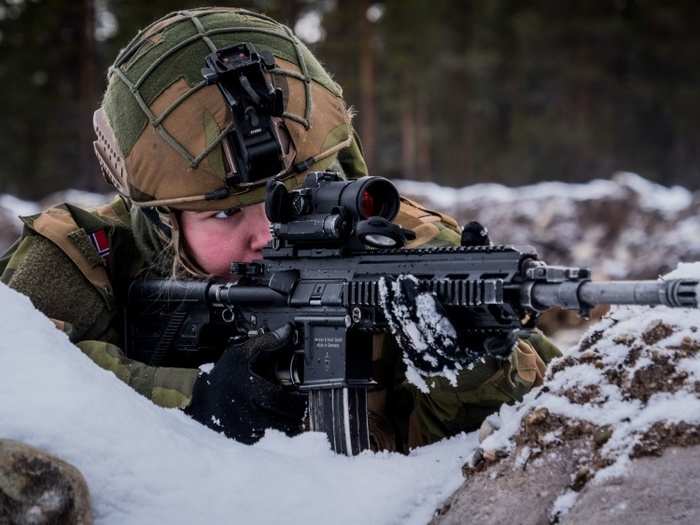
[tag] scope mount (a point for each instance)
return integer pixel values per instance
(330, 212)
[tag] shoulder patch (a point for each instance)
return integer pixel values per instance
(100, 242)
(86, 244)
(59, 226)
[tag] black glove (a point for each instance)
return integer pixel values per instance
(236, 399)
(421, 327)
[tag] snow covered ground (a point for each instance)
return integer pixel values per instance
(610, 405)
(633, 383)
(146, 465)
(652, 196)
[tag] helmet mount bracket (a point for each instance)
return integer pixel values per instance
(252, 148)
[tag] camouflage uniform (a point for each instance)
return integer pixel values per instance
(144, 128)
(86, 296)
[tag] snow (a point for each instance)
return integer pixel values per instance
(145, 464)
(655, 196)
(563, 504)
(429, 333)
(523, 457)
(86, 199)
(652, 196)
(13, 207)
(446, 197)
(692, 366)
(16, 206)
(309, 27)
(625, 227)
(106, 23)
(685, 271)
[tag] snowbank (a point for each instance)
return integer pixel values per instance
(625, 227)
(630, 389)
(586, 368)
(148, 465)
(652, 196)
(612, 436)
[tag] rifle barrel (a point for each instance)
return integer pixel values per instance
(680, 293)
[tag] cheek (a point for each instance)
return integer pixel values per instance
(214, 245)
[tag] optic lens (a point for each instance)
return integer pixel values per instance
(367, 204)
(364, 197)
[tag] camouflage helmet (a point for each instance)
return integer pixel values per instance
(162, 130)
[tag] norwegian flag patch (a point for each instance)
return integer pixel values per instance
(101, 243)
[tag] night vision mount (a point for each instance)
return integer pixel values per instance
(252, 148)
(330, 212)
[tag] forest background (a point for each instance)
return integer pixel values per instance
(450, 91)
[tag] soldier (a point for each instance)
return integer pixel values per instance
(166, 140)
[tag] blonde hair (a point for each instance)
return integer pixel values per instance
(183, 266)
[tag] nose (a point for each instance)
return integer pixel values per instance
(260, 228)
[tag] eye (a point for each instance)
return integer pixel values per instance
(225, 214)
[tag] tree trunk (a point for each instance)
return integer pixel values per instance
(368, 120)
(87, 96)
(408, 135)
(423, 133)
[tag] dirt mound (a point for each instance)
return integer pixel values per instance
(629, 390)
(626, 227)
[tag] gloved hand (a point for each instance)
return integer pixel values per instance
(421, 327)
(234, 398)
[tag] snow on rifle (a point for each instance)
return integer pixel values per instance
(325, 273)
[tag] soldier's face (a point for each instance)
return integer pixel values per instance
(215, 240)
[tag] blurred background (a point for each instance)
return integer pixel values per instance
(490, 96)
(450, 91)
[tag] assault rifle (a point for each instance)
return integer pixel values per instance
(332, 242)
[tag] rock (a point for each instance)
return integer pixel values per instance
(655, 490)
(612, 436)
(511, 493)
(39, 489)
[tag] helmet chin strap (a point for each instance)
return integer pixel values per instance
(153, 217)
